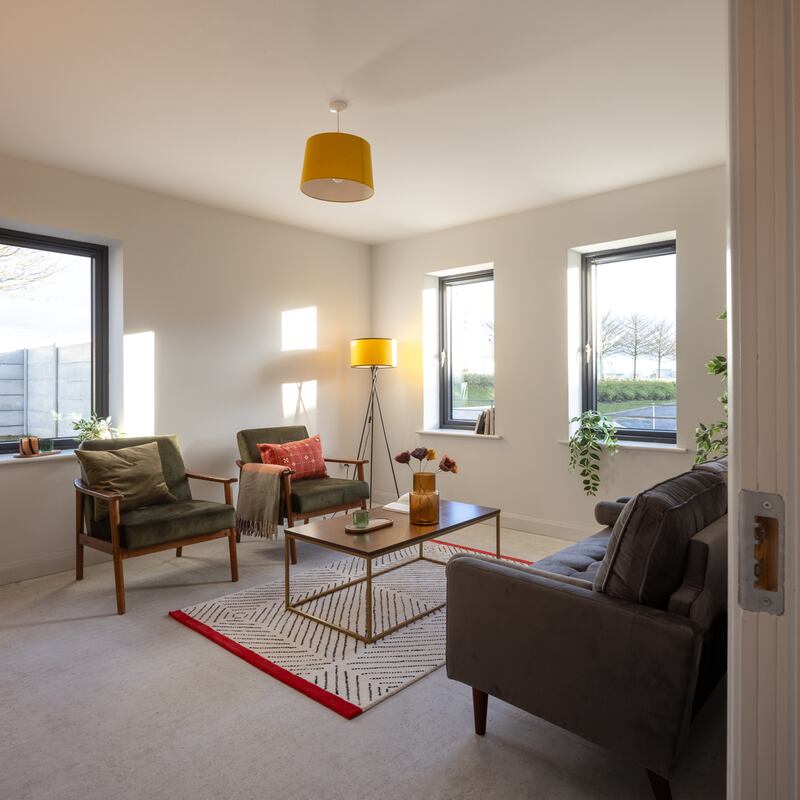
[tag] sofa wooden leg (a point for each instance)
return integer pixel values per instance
(293, 551)
(480, 703)
(660, 786)
(234, 557)
(178, 552)
(119, 583)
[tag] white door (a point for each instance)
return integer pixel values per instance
(764, 687)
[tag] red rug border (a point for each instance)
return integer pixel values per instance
(322, 696)
(481, 552)
(328, 699)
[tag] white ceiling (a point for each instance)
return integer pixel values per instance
(474, 108)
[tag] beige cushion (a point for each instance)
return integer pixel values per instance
(134, 472)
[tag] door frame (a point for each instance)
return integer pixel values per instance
(764, 276)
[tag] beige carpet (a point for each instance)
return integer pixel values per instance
(95, 706)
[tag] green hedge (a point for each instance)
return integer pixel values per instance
(618, 391)
(478, 379)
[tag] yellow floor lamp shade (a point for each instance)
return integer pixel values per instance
(374, 354)
(380, 353)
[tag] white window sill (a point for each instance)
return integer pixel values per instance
(8, 458)
(454, 432)
(651, 447)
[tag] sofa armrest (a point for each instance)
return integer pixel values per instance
(616, 673)
(606, 512)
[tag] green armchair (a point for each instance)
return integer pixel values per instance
(311, 497)
(139, 531)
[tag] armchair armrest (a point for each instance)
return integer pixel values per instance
(98, 493)
(619, 674)
(346, 460)
(200, 477)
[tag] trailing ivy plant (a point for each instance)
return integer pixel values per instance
(712, 439)
(595, 431)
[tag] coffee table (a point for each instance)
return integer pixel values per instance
(331, 534)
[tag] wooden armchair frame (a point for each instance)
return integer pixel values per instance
(286, 493)
(119, 553)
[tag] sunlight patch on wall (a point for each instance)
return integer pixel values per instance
(299, 401)
(299, 329)
(139, 383)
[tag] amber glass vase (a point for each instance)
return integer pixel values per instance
(424, 504)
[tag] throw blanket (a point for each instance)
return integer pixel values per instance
(258, 506)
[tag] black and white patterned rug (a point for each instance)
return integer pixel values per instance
(333, 668)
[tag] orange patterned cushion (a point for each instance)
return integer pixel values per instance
(304, 457)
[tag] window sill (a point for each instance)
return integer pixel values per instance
(8, 458)
(462, 434)
(651, 447)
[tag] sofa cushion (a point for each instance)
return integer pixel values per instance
(718, 466)
(314, 494)
(581, 560)
(153, 525)
(646, 555)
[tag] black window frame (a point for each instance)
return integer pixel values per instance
(445, 374)
(99, 303)
(589, 374)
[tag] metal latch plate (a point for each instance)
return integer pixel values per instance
(761, 551)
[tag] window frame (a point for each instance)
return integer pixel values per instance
(589, 366)
(445, 375)
(99, 310)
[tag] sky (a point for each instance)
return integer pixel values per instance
(56, 310)
(646, 285)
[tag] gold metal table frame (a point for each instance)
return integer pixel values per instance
(370, 635)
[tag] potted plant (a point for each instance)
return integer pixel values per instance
(712, 439)
(94, 427)
(595, 431)
(424, 499)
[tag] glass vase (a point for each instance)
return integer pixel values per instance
(424, 501)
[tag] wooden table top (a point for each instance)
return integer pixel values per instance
(331, 533)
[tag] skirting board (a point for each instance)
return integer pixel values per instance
(521, 522)
(51, 564)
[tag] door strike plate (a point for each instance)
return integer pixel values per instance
(761, 551)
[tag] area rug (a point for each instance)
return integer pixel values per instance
(332, 668)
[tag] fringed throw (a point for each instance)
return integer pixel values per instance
(258, 506)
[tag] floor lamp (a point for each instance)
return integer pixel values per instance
(373, 354)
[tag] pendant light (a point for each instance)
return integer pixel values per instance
(337, 166)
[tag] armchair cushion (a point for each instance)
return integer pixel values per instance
(314, 494)
(134, 472)
(171, 459)
(303, 457)
(647, 551)
(153, 525)
(249, 439)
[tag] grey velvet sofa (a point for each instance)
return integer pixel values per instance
(619, 638)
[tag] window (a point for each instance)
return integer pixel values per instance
(630, 369)
(466, 348)
(53, 336)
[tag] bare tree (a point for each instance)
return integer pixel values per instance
(662, 342)
(636, 340)
(612, 329)
(20, 268)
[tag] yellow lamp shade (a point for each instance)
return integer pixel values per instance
(337, 167)
(381, 353)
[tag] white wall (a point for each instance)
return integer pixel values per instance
(525, 472)
(211, 285)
